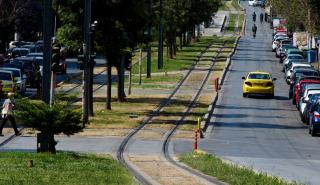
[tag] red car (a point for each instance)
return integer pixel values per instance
(299, 88)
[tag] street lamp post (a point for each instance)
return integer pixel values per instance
(47, 52)
(160, 46)
(149, 44)
(86, 53)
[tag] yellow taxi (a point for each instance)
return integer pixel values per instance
(258, 83)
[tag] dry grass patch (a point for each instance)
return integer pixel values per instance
(124, 114)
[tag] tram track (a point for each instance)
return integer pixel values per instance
(165, 151)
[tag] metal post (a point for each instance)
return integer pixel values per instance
(130, 81)
(52, 86)
(140, 60)
(149, 44)
(160, 46)
(86, 52)
(47, 51)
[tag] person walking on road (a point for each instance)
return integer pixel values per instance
(261, 18)
(254, 16)
(7, 114)
(254, 30)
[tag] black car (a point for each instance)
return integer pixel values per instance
(29, 67)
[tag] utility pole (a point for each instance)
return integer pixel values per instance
(160, 45)
(86, 53)
(47, 51)
(149, 43)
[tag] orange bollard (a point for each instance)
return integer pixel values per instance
(216, 83)
(195, 145)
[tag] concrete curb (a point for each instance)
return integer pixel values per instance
(223, 24)
(207, 116)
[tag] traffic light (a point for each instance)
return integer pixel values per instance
(127, 60)
(81, 61)
(55, 60)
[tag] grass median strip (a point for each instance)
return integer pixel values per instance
(232, 23)
(62, 168)
(229, 173)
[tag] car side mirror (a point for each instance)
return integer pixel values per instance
(24, 76)
(304, 100)
(274, 79)
(291, 70)
(243, 78)
(288, 77)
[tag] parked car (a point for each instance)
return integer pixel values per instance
(296, 93)
(20, 79)
(284, 50)
(314, 119)
(258, 83)
(296, 66)
(313, 100)
(285, 42)
(310, 90)
(8, 81)
(276, 42)
(288, 64)
(302, 72)
(29, 67)
(292, 57)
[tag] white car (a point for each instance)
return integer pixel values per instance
(19, 77)
(255, 2)
(295, 65)
(313, 89)
(276, 42)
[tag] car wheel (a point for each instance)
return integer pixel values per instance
(271, 96)
(301, 117)
(293, 101)
(312, 131)
(244, 94)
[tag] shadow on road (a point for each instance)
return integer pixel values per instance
(256, 125)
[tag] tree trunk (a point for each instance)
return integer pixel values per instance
(170, 48)
(184, 35)
(109, 76)
(180, 39)
(52, 143)
(46, 143)
(121, 71)
(193, 32)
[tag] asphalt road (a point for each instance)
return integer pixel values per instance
(264, 134)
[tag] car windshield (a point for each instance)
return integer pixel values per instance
(259, 76)
(16, 73)
(5, 76)
(295, 57)
(307, 73)
(21, 52)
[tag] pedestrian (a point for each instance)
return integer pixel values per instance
(265, 17)
(254, 30)
(261, 17)
(254, 16)
(7, 114)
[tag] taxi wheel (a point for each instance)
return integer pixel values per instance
(244, 94)
(271, 96)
